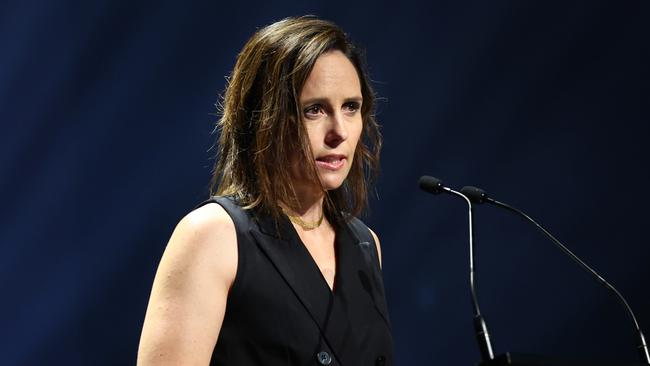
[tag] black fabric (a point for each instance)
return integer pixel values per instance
(281, 311)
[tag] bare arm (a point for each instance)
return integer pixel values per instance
(189, 293)
(378, 246)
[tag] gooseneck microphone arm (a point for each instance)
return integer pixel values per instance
(477, 195)
(435, 186)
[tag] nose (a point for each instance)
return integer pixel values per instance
(337, 130)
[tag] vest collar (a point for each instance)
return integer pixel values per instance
(282, 245)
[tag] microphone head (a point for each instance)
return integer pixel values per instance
(476, 195)
(430, 184)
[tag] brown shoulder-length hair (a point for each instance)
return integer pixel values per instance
(261, 128)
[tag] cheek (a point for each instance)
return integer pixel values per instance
(353, 140)
(355, 133)
(315, 139)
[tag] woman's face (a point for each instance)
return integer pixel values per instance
(330, 103)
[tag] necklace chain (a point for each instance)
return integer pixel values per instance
(306, 225)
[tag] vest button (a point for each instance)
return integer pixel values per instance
(380, 361)
(324, 358)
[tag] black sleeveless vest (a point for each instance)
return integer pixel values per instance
(280, 310)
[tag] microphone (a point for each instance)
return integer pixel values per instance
(430, 184)
(478, 196)
(435, 186)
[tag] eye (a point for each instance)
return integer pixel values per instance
(351, 107)
(313, 110)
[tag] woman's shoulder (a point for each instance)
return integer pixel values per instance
(206, 219)
(191, 288)
(365, 232)
(206, 234)
(359, 227)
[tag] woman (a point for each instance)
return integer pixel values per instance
(275, 269)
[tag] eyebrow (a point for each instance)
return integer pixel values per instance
(357, 99)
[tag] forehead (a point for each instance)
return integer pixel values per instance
(333, 77)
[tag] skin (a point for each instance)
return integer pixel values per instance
(189, 293)
(331, 105)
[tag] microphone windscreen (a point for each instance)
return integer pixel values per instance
(476, 195)
(430, 184)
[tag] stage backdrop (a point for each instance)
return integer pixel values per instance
(107, 112)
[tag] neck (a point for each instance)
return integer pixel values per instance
(308, 207)
(307, 211)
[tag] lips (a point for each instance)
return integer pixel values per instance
(331, 162)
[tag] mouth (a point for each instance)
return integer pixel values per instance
(331, 162)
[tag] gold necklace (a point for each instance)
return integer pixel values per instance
(302, 223)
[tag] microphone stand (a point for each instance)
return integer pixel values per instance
(479, 196)
(642, 347)
(434, 186)
(480, 327)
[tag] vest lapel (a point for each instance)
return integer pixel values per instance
(287, 253)
(358, 256)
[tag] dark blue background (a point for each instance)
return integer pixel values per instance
(107, 109)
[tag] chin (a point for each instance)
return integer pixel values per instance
(331, 187)
(331, 183)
